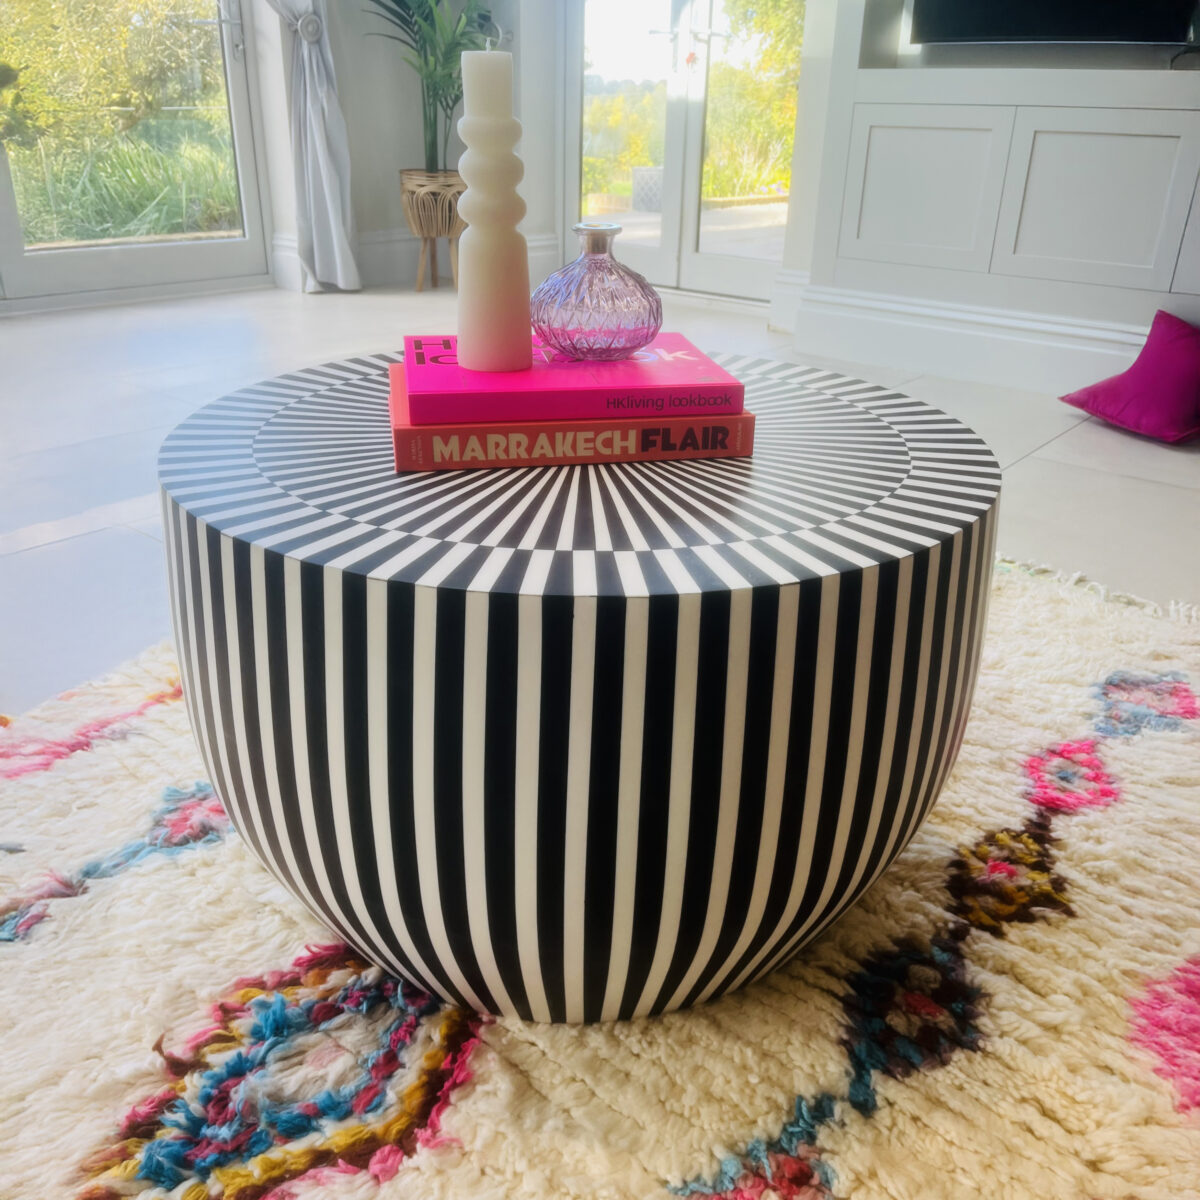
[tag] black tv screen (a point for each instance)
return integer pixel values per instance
(1157, 21)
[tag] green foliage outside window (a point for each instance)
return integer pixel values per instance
(114, 117)
(750, 117)
(748, 134)
(622, 129)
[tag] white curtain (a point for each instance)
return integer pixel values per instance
(321, 150)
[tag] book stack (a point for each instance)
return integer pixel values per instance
(668, 401)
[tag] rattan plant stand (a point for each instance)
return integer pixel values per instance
(430, 201)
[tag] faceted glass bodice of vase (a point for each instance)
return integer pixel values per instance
(596, 307)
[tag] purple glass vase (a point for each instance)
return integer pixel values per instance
(595, 308)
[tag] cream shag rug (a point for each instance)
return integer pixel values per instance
(1013, 1011)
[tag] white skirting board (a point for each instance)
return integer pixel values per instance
(787, 291)
(1003, 346)
(385, 258)
(388, 258)
(285, 263)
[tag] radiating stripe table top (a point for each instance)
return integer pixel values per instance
(845, 474)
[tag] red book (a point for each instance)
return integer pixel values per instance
(667, 378)
(453, 447)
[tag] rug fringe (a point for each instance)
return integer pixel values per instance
(1177, 610)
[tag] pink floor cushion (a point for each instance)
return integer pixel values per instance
(1159, 395)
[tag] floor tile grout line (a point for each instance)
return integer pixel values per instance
(1122, 474)
(1181, 488)
(154, 537)
(10, 460)
(1087, 420)
(1047, 442)
(89, 520)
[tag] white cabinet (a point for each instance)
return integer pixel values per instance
(1098, 195)
(924, 183)
(1011, 213)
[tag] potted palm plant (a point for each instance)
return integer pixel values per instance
(435, 33)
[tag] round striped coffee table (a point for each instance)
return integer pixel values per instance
(578, 743)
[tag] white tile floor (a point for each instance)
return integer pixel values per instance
(86, 397)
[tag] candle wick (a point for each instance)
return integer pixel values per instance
(488, 43)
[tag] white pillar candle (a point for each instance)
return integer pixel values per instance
(493, 260)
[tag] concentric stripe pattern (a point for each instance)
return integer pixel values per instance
(577, 743)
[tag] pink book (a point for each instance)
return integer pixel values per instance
(669, 377)
(458, 446)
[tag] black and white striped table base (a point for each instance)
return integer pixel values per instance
(584, 742)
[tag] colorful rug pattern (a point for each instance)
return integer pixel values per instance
(187, 818)
(24, 755)
(235, 1120)
(911, 1008)
(1013, 1010)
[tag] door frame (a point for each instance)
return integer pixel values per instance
(663, 261)
(49, 279)
(733, 275)
(679, 258)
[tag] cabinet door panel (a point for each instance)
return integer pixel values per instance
(1098, 195)
(924, 182)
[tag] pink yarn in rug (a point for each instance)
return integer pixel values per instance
(459, 1071)
(1166, 1023)
(1068, 777)
(23, 756)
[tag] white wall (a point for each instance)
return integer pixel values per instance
(381, 98)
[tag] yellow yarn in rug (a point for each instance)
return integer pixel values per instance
(355, 1144)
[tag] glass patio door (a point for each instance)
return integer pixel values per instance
(126, 156)
(687, 114)
(633, 90)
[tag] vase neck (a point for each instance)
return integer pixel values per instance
(596, 238)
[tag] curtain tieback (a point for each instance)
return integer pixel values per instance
(310, 27)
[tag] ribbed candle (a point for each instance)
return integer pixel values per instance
(493, 260)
